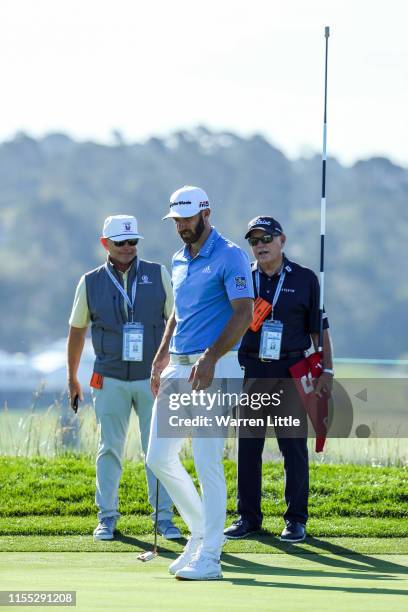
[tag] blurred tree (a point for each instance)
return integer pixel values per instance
(55, 193)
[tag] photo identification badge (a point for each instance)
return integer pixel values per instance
(132, 342)
(271, 340)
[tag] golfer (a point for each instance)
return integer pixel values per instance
(213, 307)
(126, 300)
(293, 293)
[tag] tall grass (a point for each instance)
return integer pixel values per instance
(52, 431)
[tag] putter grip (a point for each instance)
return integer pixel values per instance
(327, 31)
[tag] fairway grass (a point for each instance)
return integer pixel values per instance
(316, 582)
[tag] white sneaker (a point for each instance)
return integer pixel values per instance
(201, 567)
(189, 551)
(106, 528)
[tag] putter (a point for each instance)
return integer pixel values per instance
(151, 554)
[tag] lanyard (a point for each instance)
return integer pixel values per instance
(121, 289)
(278, 288)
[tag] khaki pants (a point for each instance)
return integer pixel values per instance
(113, 404)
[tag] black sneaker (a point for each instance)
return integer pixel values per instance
(293, 532)
(240, 529)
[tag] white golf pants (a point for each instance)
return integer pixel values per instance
(204, 515)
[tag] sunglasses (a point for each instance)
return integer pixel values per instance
(120, 243)
(264, 239)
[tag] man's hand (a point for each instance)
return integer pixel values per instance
(162, 358)
(74, 390)
(160, 362)
(202, 372)
(75, 345)
(324, 385)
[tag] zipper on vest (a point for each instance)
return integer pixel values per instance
(119, 322)
(115, 310)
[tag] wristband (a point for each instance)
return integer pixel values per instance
(328, 371)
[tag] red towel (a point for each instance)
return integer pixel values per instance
(303, 373)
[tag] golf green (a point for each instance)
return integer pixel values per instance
(315, 582)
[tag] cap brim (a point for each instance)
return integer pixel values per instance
(169, 216)
(175, 213)
(261, 227)
(120, 237)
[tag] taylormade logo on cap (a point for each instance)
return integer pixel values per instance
(120, 227)
(187, 202)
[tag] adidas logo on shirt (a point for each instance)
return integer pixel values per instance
(206, 270)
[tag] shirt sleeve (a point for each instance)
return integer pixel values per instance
(80, 316)
(238, 275)
(313, 313)
(169, 304)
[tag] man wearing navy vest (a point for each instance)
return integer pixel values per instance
(127, 301)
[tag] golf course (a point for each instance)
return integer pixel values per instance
(355, 556)
(329, 577)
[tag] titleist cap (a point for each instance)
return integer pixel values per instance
(268, 224)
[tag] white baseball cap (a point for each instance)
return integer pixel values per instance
(120, 227)
(187, 202)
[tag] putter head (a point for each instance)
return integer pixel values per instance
(147, 556)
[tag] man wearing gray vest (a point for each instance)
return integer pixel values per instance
(127, 301)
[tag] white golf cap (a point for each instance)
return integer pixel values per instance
(120, 227)
(187, 202)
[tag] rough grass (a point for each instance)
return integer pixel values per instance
(65, 486)
(55, 496)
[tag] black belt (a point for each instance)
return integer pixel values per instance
(287, 355)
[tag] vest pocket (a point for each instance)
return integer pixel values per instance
(97, 340)
(112, 345)
(102, 338)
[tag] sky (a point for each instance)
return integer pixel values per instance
(88, 67)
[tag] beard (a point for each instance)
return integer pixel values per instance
(192, 236)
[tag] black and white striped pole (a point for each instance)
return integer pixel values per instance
(323, 200)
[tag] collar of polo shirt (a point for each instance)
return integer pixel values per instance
(286, 266)
(115, 269)
(208, 246)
